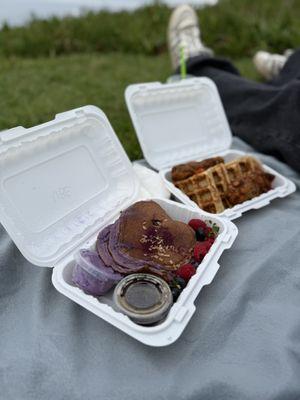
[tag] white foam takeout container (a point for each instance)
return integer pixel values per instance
(185, 121)
(65, 180)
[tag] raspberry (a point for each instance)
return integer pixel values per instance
(197, 223)
(202, 248)
(211, 241)
(186, 271)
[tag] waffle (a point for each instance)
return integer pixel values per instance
(202, 189)
(225, 185)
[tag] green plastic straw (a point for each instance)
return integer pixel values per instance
(182, 63)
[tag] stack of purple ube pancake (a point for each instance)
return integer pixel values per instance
(146, 239)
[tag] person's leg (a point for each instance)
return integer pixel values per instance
(265, 116)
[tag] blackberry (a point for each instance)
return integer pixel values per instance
(181, 282)
(200, 234)
(175, 292)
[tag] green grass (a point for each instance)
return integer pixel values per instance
(232, 27)
(52, 66)
(37, 89)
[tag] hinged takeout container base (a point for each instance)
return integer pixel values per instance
(65, 180)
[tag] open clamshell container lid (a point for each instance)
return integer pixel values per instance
(178, 122)
(61, 181)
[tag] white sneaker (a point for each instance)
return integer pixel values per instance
(288, 52)
(184, 33)
(269, 65)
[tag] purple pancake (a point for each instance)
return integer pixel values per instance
(102, 247)
(123, 263)
(120, 257)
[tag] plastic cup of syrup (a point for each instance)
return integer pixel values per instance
(144, 298)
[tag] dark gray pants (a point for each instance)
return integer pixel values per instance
(266, 115)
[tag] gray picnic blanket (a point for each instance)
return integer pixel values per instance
(243, 341)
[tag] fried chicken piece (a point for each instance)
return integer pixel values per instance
(246, 188)
(184, 171)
